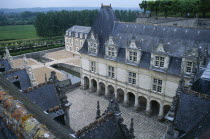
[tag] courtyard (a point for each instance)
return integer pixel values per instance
(83, 112)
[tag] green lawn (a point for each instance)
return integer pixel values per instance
(17, 32)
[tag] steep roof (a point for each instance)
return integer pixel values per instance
(45, 96)
(79, 29)
(18, 75)
(192, 109)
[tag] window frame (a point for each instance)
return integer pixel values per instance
(189, 67)
(159, 61)
(111, 51)
(132, 56)
(93, 66)
(111, 72)
(157, 85)
(132, 78)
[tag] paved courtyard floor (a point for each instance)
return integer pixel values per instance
(83, 112)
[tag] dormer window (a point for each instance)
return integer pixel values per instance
(81, 35)
(69, 33)
(189, 67)
(93, 44)
(76, 34)
(111, 52)
(159, 61)
(66, 32)
(132, 56)
(93, 48)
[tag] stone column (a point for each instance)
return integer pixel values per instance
(148, 108)
(136, 105)
(115, 93)
(106, 91)
(126, 99)
(83, 84)
(90, 86)
(98, 91)
(160, 114)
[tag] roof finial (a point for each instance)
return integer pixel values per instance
(98, 112)
(131, 129)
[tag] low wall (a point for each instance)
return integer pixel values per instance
(70, 67)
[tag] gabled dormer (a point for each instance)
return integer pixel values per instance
(93, 44)
(111, 48)
(133, 53)
(159, 56)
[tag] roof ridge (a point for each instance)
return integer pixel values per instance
(36, 87)
(195, 93)
(94, 124)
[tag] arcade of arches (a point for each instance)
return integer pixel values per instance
(139, 102)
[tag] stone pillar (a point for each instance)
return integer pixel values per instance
(90, 86)
(106, 92)
(126, 99)
(67, 117)
(136, 105)
(148, 108)
(98, 91)
(160, 114)
(115, 93)
(83, 84)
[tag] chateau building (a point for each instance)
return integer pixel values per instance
(141, 64)
(75, 38)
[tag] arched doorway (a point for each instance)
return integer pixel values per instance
(94, 85)
(131, 98)
(86, 83)
(166, 109)
(142, 103)
(120, 95)
(101, 88)
(110, 90)
(155, 107)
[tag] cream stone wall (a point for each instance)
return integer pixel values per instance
(75, 45)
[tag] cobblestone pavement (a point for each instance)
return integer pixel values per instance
(83, 112)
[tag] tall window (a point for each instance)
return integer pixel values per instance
(159, 61)
(133, 56)
(111, 52)
(77, 49)
(69, 40)
(93, 66)
(85, 36)
(131, 78)
(189, 67)
(111, 71)
(77, 43)
(157, 85)
(81, 43)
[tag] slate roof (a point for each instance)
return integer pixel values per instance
(4, 63)
(191, 110)
(176, 41)
(44, 96)
(22, 75)
(206, 74)
(110, 129)
(80, 29)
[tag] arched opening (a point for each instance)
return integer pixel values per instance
(94, 85)
(110, 90)
(86, 83)
(155, 107)
(131, 98)
(166, 109)
(142, 103)
(120, 95)
(101, 88)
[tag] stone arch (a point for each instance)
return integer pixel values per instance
(110, 90)
(93, 85)
(166, 109)
(131, 98)
(155, 107)
(102, 88)
(120, 95)
(142, 102)
(86, 83)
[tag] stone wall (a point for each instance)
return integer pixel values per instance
(67, 66)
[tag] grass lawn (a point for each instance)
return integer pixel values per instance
(17, 32)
